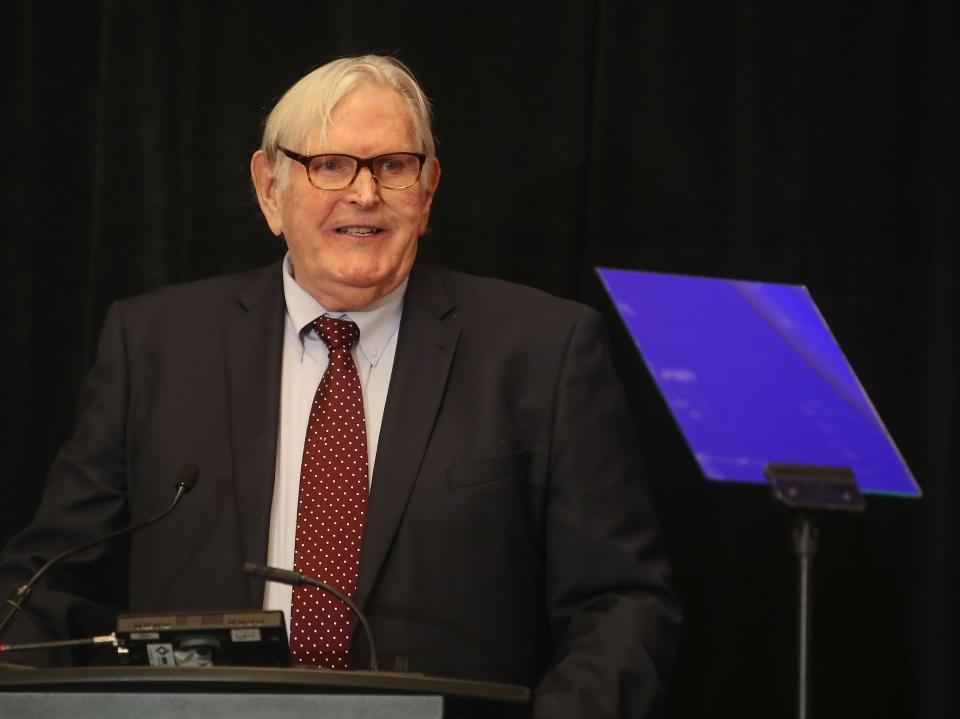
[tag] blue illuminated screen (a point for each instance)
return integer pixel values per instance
(752, 374)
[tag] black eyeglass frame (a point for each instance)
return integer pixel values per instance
(362, 162)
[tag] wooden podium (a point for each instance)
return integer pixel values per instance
(239, 692)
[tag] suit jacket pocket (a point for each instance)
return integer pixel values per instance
(484, 471)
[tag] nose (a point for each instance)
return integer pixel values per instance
(364, 190)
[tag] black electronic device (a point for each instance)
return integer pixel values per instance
(250, 638)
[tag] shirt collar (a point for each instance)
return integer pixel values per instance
(377, 322)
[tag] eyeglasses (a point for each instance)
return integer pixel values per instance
(394, 171)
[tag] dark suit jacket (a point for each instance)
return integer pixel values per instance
(509, 535)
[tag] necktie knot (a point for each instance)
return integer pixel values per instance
(337, 333)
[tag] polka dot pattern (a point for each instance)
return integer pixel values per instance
(332, 505)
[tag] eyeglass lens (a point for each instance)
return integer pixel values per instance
(334, 172)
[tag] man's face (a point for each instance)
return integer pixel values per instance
(351, 246)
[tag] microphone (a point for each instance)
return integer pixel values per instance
(187, 478)
(286, 576)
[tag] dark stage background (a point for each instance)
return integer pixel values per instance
(805, 142)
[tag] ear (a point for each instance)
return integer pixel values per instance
(428, 193)
(267, 185)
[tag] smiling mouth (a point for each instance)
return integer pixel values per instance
(359, 230)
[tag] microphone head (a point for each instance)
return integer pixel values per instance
(272, 574)
(187, 478)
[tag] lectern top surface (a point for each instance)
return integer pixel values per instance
(254, 679)
(752, 374)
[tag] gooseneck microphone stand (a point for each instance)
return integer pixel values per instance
(286, 576)
(186, 480)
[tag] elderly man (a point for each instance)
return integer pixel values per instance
(454, 452)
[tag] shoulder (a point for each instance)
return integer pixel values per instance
(192, 295)
(176, 311)
(207, 296)
(495, 318)
(499, 298)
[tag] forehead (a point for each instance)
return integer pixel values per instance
(370, 119)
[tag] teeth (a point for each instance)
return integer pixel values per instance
(358, 231)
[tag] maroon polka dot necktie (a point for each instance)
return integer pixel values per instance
(332, 504)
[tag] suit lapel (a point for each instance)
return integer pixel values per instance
(253, 346)
(425, 350)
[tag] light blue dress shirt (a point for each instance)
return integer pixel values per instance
(304, 362)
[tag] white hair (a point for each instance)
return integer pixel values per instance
(304, 110)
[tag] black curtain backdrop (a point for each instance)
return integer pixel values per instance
(803, 142)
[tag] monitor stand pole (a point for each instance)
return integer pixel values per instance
(806, 491)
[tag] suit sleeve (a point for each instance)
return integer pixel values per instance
(614, 619)
(84, 498)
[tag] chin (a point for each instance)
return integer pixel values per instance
(372, 274)
(360, 280)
